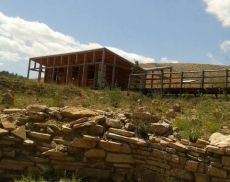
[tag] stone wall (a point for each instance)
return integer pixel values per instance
(100, 145)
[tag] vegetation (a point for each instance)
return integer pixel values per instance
(200, 116)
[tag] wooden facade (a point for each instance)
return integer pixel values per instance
(163, 80)
(92, 68)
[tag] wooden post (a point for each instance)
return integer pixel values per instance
(202, 79)
(170, 78)
(54, 60)
(152, 79)
(101, 78)
(95, 71)
(83, 74)
(181, 82)
(114, 70)
(226, 79)
(40, 73)
(129, 82)
(162, 82)
(28, 72)
(67, 70)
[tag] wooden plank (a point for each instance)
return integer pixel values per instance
(67, 71)
(226, 78)
(202, 79)
(28, 71)
(181, 82)
(83, 74)
(40, 73)
(114, 70)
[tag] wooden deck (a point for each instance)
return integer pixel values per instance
(188, 82)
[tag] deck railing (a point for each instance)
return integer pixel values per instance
(196, 80)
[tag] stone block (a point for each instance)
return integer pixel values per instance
(119, 158)
(115, 146)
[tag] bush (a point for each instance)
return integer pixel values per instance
(115, 97)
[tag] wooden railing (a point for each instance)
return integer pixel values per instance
(181, 80)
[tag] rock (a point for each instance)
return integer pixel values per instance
(119, 158)
(77, 112)
(178, 146)
(20, 132)
(96, 130)
(11, 111)
(121, 132)
(146, 116)
(83, 125)
(113, 123)
(54, 153)
(40, 136)
(55, 112)
(37, 116)
(213, 171)
(114, 146)
(226, 161)
(181, 174)
(201, 177)
(15, 165)
(79, 121)
(214, 149)
(28, 142)
(66, 129)
(37, 108)
(95, 153)
(161, 128)
(132, 140)
(8, 125)
(191, 165)
(130, 126)
(81, 143)
(8, 98)
(220, 140)
(3, 132)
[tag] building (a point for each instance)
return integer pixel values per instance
(92, 68)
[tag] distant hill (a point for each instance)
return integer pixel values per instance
(178, 67)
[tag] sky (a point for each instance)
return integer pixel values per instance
(181, 31)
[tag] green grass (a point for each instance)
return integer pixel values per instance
(210, 113)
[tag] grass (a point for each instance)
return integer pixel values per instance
(31, 179)
(200, 116)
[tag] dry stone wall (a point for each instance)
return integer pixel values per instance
(102, 146)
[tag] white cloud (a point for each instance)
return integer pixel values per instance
(21, 39)
(220, 9)
(166, 60)
(212, 59)
(225, 46)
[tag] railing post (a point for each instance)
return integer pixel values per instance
(162, 82)
(226, 79)
(170, 78)
(28, 72)
(181, 82)
(202, 80)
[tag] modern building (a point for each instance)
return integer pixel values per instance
(92, 68)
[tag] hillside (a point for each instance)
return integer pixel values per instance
(178, 67)
(99, 131)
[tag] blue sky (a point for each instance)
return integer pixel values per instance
(184, 31)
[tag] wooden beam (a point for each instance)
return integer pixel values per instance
(83, 73)
(54, 59)
(40, 73)
(28, 71)
(202, 79)
(162, 81)
(67, 71)
(181, 82)
(114, 70)
(170, 78)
